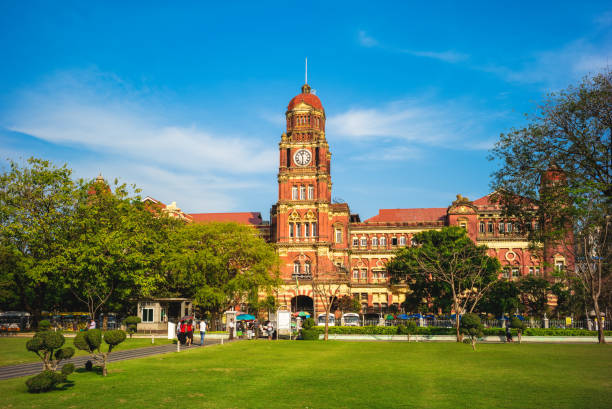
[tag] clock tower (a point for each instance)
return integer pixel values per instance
(309, 231)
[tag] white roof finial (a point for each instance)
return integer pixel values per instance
(306, 72)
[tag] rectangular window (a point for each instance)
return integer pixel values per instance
(515, 272)
(296, 268)
(508, 227)
(559, 265)
(298, 226)
(364, 242)
(314, 229)
(383, 241)
(374, 241)
(375, 275)
(501, 227)
(490, 227)
(537, 271)
(147, 315)
(291, 230)
(463, 225)
(506, 272)
(364, 296)
(364, 274)
(403, 241)
(294, 193)
(302, 192)
(306, 229)
(338, 236)
(394, 241)
(310, 192)
(355, 242)
(355, 274)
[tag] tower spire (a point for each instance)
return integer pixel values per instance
(306, 72)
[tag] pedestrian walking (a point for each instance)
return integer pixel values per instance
(202, 332)
(270, 330)
(189, 332)
(508, 335)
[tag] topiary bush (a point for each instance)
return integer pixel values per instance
(48, 346)
(91, 341)
(519, 326)
(43, 325)
(471, 326)
(132, 324)
(310, 334)
(407, 329)
(308, 323)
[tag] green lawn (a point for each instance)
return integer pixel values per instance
(334, 374)
(13, 350)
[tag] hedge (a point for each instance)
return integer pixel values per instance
(392, 330)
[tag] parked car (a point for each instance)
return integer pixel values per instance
(14, 321)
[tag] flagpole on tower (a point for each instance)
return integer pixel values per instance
(306, 72)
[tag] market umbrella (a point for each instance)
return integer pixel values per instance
(402, 317)
(245, 317)
(303, 314)
(390, 317)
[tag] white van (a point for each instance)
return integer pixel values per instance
(350, 319)
(330, 321)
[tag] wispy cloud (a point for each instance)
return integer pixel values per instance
(448, 56)
(102, 114)
(423, 121)
(556, 68)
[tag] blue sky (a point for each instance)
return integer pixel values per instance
(187, 102)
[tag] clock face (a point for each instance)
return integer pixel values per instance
(302, 157)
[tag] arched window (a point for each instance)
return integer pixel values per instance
(481, 227)
(296, 267)
(383, 241)
(307, 268)
(364, 242)
(298, 226)
(490, 227)
(374, 241)
(402, 240)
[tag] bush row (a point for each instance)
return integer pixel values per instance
(393, 330)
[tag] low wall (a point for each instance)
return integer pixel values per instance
(452, 338)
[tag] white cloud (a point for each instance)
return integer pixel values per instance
(557, 68)
(392, 154)
(101, 114)
(449, 124)
(447, 56)
(367, 41)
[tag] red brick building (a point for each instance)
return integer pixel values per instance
(318, 239)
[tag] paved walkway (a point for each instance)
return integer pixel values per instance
(15, 371)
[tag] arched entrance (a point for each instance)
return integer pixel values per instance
(302, 303)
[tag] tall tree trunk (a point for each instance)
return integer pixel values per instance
(600, 329)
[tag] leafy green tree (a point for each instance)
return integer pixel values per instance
(219, 265)
(472, 327)
(48, 346)
(534, 295)
(91, 341)
(558, 171)
(410, 327)
(502, 298)
(116, 250)
(450, 257)
(36, 207)
(426, 295)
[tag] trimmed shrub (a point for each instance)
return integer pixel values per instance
(67, 369)
(309, 323)
(44, 325)
(471, 326)
(114, 338)
(310, 334)
(132, 324)
(91, 341)
(45, 381)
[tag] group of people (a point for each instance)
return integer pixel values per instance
(185, 330)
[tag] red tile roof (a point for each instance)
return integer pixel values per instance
(310, 99)
(484, 201)
(434, 214)
(249, 218)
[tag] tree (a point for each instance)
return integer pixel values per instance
(346, 303)
(472, 327)
(91, 341)
(558, 171)
(534, 295)
(116, 249)
(36, 208)
(219, 265)
(426, 295)
(47, 345)
(327, 289)
(131, 323)
(449, 257)
(519, 325)
(502, 298)
(409, 328)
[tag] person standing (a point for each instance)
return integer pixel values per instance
(189, 333)
(202, 332)
(270, 330)
(231, 326)
(92, 324)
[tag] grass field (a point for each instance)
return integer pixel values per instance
(285, 374)
(13, 350)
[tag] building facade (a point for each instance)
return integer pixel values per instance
(321, 241)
